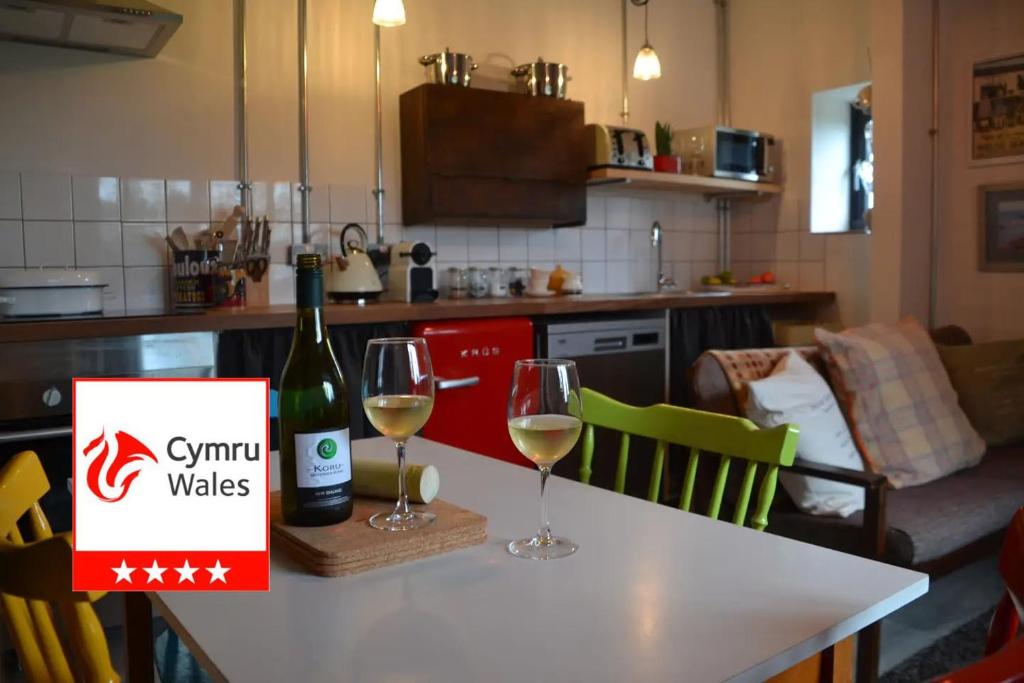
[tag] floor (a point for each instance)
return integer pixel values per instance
(950, 602)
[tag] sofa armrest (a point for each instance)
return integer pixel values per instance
(875, 525)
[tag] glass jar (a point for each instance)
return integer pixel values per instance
(517, 280)
(498, 282)
(477, 282)
(458, 283)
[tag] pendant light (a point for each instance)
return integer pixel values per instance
(647, 65)
(389, 13)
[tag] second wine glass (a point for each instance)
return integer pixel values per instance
(398, 395)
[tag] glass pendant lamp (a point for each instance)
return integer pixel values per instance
(389, 13)
(647, 65)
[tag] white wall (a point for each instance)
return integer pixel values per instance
(988, 305)
(88, 115)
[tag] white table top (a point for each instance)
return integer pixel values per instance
(653, 594)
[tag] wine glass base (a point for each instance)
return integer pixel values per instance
(402, 521)
(537, 549)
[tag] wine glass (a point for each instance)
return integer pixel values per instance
(398, 395)
(544, 420)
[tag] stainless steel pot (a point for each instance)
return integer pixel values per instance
(544, 79)
(449, 68)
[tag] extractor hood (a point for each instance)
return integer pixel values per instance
(129, 27)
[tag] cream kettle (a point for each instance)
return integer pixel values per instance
(353, 275)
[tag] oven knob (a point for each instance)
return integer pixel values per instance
(52, 397)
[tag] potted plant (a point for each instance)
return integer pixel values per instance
(664, 160)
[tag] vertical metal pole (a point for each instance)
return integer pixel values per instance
(725, 119)
(625, 66)
(933, 246)
(304, 187)
(378, 136)
(242, 108)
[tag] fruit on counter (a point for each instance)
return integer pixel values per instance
(711, 280)
(768, 278)
(756, 279)
(557, 278)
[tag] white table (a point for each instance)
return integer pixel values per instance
(653, 594)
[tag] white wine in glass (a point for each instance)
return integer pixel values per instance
(545, 417)
(398, 395)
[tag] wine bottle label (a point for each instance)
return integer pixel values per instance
(323, 467)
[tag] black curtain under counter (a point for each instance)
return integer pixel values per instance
(262, 353)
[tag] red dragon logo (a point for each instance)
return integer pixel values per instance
(105, 479)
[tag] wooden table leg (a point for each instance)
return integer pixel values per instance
(869, 650)
(138, 637)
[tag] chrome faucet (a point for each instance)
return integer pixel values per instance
(657, 239)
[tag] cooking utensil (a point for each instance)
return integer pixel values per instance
(543, 79)
(449, 68)
(256, 267)
(27, 293)
(181, 239)
(171, 244)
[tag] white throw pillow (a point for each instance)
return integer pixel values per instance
(796, 394)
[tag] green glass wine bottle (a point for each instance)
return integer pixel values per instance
(313, 415)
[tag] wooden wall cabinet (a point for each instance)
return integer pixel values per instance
(481, 157)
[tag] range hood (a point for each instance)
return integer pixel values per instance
(129, 27)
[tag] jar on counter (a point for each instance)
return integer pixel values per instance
(517, 280)
(478, 279)
(458, 283)
(498, 282)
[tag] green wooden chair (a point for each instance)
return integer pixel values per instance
(732, 437)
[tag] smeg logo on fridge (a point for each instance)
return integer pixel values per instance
(478, 352)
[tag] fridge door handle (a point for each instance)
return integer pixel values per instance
(441, 384)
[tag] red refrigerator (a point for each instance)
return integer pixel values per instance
(473, 362)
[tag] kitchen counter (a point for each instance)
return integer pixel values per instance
(348, 314)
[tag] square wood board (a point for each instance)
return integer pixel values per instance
(354, 546)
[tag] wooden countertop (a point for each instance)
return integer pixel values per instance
(349, 314)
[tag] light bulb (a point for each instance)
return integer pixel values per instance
(389, 13)
(647, 65)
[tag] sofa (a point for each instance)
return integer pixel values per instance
(933, 528)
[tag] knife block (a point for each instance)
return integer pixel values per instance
(258, 293)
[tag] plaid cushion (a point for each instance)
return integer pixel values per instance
(749, 365)
(899, 403)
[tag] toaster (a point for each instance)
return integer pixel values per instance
(618, 147)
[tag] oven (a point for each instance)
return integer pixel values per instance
(35, 393)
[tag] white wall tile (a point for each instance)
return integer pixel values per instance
(393, 234)
(46, 196)
(812, 247)
(541, 245)
(617, 277)
(419, 233)
(225, 196)
(567, 244)
(704, 217)
(188, 201)
(592, 244)
(682, 215)
(617, 245)
(513, 245)
(762, 246)
(640, 213)
(145, 287)
(787, 246)
(145, 244)
(283, 236)
(98, 244)
(452, 244)
(12, 244)
(96, 198)
(282, 283)
(642, 276)
(113, 293)
(49, 243)
(273, 200)
(742, 246)
(705, 247)
(617, 212)
(682, 246)
(319, 203)
(682, 275)
(594, 277)
(483, 245)
(812, 275)
(143, 199)
(349, 203)
(788, 273)
(740, 218)
(595, 211)
(10, 194)
(640, 246)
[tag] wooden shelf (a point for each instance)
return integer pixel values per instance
(671, 182)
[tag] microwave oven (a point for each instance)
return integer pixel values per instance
(725, 152)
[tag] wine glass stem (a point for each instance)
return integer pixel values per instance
(544, 533)
(402, 507)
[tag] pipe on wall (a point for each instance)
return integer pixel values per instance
(724, 118)
(242, 108)
(933, 241)
(304, 187)
(625, 65)
(378, 136)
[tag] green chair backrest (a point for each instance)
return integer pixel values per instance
(729, 436)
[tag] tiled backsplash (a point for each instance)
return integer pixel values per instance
(770, 236)
(117, 226)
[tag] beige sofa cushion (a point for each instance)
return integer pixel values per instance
(989, 381)
(900, 405)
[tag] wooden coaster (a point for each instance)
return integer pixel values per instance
(354, 546)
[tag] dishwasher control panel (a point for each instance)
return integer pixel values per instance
(573, 340)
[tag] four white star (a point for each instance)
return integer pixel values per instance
(156, 573)
(217, 573)
(185, 573)
(124, 572)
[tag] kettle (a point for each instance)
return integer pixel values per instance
(353, 275)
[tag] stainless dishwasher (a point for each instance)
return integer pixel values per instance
(622, 357)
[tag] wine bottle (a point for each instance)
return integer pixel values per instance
(313, 415)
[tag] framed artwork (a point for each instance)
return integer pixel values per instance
(1001, 227)
(997, 111)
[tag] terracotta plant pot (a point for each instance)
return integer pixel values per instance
(668, 163)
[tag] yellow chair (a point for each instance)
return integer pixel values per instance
(36, 574)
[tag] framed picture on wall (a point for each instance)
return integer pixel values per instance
(1001, 229)
(997, 111)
